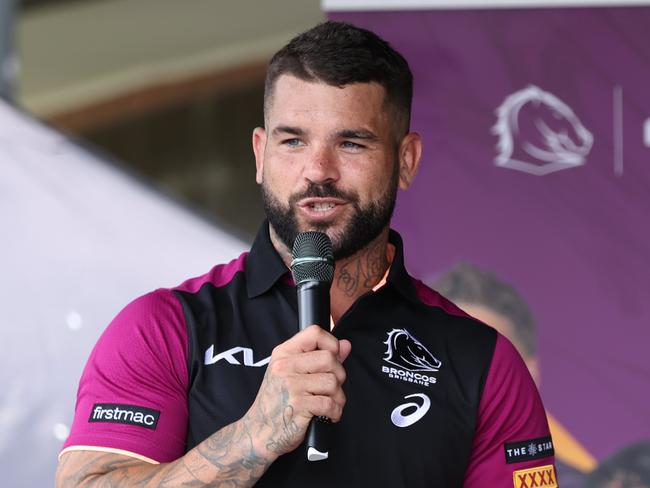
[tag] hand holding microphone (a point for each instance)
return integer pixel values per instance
(302, 386)
(312, 267)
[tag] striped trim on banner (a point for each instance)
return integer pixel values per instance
(362, 5)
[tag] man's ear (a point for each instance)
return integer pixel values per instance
(410, 152)
(259, 145)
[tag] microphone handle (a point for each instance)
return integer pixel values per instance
(314, 308)
(314, 304)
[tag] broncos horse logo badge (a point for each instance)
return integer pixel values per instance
(408, 353)
(539, 133)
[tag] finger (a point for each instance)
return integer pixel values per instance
(310, 363)
(309, 339)
(326, 384)
(345, 347)
(323, 406)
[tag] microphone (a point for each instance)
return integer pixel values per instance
(312, 267)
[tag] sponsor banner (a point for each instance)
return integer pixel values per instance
(540, 477)
(117, 413)
(519, 451)
(536, 131)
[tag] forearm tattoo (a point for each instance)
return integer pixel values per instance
(286, 438)
(225, 459)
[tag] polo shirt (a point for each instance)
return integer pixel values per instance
(434, 397)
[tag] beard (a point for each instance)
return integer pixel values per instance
(365, 225)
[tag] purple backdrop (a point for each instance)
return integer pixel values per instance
(567, 217)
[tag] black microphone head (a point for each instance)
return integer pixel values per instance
(312, 258)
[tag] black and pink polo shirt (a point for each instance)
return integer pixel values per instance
(434, 397)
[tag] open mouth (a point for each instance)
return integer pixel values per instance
(321, 207)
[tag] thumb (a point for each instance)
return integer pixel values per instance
(345, 347)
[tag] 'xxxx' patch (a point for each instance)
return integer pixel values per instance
(539, 477)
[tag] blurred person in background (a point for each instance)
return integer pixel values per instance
(484, 296)
(211, 384)
(627, 468)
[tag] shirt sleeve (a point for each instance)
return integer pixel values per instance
(512, 445)
(132, 396)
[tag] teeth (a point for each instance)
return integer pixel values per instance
(322, 207)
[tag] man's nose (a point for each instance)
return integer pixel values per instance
(321, 166)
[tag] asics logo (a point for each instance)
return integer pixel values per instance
(400, 420)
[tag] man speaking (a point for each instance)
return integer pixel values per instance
(212, 384)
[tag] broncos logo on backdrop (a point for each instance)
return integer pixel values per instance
(539, 133)
(408, 353)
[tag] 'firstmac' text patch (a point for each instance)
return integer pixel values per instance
(125, 414)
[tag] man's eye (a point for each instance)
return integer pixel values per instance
(292, 142)
(351, 145)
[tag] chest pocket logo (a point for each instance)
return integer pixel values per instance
(400, 420)
(407, 352)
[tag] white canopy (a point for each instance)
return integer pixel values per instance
(79, 239)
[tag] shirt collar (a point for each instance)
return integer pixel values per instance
(398, 277)
(264, 266)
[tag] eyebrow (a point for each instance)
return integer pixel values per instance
(285, 129)
(362, 134)
(357, 134)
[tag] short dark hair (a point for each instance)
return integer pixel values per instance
(626, 468)
(470, 284)
(339, 54)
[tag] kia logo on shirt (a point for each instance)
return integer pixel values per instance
(229, 357)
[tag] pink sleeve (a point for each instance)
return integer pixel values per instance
(133, 392)
(512, 445)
